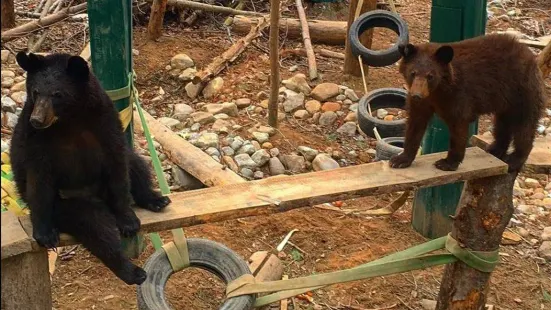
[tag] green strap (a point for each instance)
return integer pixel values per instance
(479, 260)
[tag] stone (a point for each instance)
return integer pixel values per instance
(12, 120)
(212, 151)
(348, 128)
(528, 209)
(301, 114)
(222, 116)
(325, 91)
(298, 84)
(261, 157)
(256, 145)
(244, 161)
(546, 203)
(312, 106)
(532, 183)
(185, 180)
(347, 102)
(324, 162)
(221, 125)
(381, 113)
(20, 86)
(261, 137)
(428, 304)
(7, 82)
(523, 232)
(340, 98)
(7, 74)
(8, 105)
(545, 250)
(182, 111)
(213, 87)
(331, 106)
(308, 153)
(237, 143)
(265, 129)
(227, 107)
(5, 146)
(327, 118)
(351, 94)
(275, 166)
(243, 103)
(353, 108)
(293, 101)
(206, 140)
(227, 150)
(246, 149)
(294, 163)
(315, 118)
(351, 117)
(175, 72)
(5, 56)
(181, 61)
(264, 103)
(193, 90)
(546, 234)
(281, 116)
(187, 75)
(258, 175)
(246, 172)
(389, 117)
(171, 123)
(267, 145)
(195, 127)
(274, 152)
(202, 117)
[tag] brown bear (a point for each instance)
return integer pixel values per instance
(491, 74)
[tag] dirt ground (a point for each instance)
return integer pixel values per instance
(330, 240)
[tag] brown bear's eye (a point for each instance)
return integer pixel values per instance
(430, 77)
(57, 94)
(412, 74)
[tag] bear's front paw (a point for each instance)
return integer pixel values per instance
(46, 237)
(400, 161)
(128, 224)
(446, 165)
(157, 203)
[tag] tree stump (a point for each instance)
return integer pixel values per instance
(8, 14)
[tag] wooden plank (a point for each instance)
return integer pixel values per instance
(539, 160)
(14, 239)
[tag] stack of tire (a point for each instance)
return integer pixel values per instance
(391, 131)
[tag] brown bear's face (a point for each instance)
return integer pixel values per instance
(423, 70)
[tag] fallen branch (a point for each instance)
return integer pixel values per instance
(36, 46)
(320, 51)
(72, 18)
(391, 207)
(229, 56)
(208, 7)
(42, 23)
(239, 6)
(312, 68)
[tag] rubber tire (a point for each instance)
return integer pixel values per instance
(205, 254)
(385, 149)
(378, 18)
(379, 99)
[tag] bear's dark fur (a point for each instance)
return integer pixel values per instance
(492, 74)
(73, 166)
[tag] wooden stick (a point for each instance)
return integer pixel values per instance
(274, 64)
(544, 60)
(208, 7)
(320, 51)
(312, 70)
(155, 25)
(36, 46)
(42, 23)
(229, 56)
(351, 64)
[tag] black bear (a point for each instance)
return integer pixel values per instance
(72, 165)
(492, 74)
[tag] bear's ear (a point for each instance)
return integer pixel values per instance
(444, 54)
(407, 50)
(29, 62)
(78, 68)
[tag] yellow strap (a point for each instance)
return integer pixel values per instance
(126, 117)
(177, 251)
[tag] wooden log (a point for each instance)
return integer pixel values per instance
(544, 60)
(273, 102)
(312, 68)
(320, 51)
(8, 14)
(321, 31)
(47, 21)
(230, 55)
(155, 25)
(187, 156)
(351, 63)
(208, 7)
(485, 208)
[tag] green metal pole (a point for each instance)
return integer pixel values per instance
(451, 20)
(111, 54)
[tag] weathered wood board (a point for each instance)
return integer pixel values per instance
(14, 239)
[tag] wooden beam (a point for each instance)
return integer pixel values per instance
(312, 67)
(274, 195)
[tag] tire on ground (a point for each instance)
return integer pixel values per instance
(379, 99)
(388, 147)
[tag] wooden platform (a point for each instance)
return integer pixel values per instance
(539, 160)
(278, 194)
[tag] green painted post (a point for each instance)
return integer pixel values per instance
(451, 20)
(111, 54)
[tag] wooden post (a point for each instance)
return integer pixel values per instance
(155, 26)
(8, 14)
(312, 68)
(274, 63)
(485, 208)
(351, 64)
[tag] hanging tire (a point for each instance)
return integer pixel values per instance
(378, 18)
(205, 254)
(388, 147)
(379, 99)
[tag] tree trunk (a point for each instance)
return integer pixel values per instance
(155, 26)
(274, 63)
(8, 14)
(351, 64)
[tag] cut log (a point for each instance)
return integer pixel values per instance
(155, 25)
(312, 68)
(351, 63)
(47, 21)
(544, 60)
(8, 14)
(273, 101)
(321, 31)
(208, 7)
(229, 56)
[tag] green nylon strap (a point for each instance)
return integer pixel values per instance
(121, 93)
(479, 260)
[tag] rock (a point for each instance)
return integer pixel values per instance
(248, 173)
(264, 103)
(5, 146)
(331, 106)
(324, 162)
(351, 117)
(256, 145)
(315, 118)
(193, 90)
(308, 153)
(298, 84)
(227, 107)
(347, 102)
(348, 128)
(294, 163)
(184, 179)
(528, 209)
(545, 250)
(227, 150)
(5, 56)
(293, 68)
(274, 152)
(510, 238)
(276, 167)
(181, 61)
(175, 72)
(428, 304)
(8, 105)
(546, 234)
(195, 127)
(351, 94)
(21, 86)
(381, 113)
(325, 91)
(246, 149)
(258, 175)
(340, 98)
(244, 161)
(243, 103)
(182, 111)
(171, 123)
(202, 117)
(206, 140)
(327, 118)
(265, 129)
(221, 125)
(301, 114)
(267, 145)
(293, 101)
(353, 108)
(222, 116)
(7, 82)
(187, 75)
(389, 117)
(261, 137)
(312, 106)
(523, 232)
(546, 203)
(11, 120)
(260, 157)
(213, 87)
(237, 143)
(532, 183)
(7, 74)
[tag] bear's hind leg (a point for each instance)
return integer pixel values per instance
(91, 222)
(503, 135)
(523, 141)
(141, 185)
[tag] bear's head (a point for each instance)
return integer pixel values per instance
(424, 68)
(55, 85)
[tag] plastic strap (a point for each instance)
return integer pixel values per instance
(177, 251)
(485, 261)
(125, 115)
